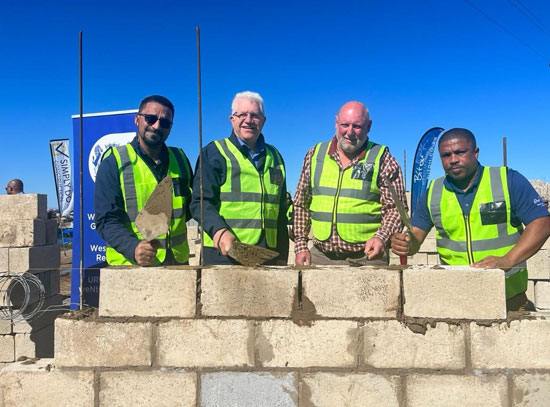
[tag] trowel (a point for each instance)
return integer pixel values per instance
(250, 255)
(154, 218)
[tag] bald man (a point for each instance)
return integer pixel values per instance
(15, 186)
(342, 196)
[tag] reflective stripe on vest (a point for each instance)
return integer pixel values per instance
(249, 201)
(137, 183)
(349, 198)
(486, 231)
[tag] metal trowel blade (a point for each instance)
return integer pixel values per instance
(154, 218)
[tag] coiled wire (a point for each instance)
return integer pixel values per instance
(21, 296)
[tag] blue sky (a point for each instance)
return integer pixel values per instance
(416, 65)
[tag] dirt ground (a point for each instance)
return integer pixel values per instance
(66, 259)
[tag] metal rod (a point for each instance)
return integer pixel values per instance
(200, 141)
(80, 128)
(405, 169)
(504, 155)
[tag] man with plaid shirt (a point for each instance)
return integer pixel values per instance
(342, 195)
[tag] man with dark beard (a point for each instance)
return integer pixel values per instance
(127, 176)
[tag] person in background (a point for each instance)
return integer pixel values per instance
(15, 186)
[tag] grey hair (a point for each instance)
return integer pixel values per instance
(254, 96)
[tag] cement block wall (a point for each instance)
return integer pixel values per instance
(28, 246)
(237, 336)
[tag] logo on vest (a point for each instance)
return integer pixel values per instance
(276, 176)
(362, 171)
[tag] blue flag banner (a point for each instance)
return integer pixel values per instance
(422, 164)
(100, 131)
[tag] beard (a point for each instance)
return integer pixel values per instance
(152, 138)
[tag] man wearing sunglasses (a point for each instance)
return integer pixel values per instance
(244, 187)
(15, 186)
(128, 175)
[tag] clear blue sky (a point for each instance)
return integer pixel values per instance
(415, 64)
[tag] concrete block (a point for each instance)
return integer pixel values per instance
(391, 344)
(231, 291)
(345, 292)
(450, 390)
(4, 259)
(150, 388)
(419, 258)
(192, 246)
(394, 259)
(330, 390)
(249, 389)
(454, 292)
(431, 234)
(206, 343)
(530, 293)
(147, 292)
(22, 233)
(99, 343)
(542, 294)
(51, 231)
(23, 207)
(538, 266)
(433, 259)
(5, 327)
(523, 345)
(37, 384)
(24, 346)
(531, 390)
(34, 259)
(283, 343)
(7, 348)
(429, 245)
(546, 245)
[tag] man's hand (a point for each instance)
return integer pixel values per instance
(400, 243)
(146, 251)
(303, 258)
(223, 239)
(494, 262)
(374, 248)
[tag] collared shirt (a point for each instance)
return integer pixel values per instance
(254, 157)
(391, 221)
(214, 175)
(526, 204)
(109, 206)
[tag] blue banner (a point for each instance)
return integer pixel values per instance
(100, 131)
(422, 164)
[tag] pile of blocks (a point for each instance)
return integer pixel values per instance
(28, 245)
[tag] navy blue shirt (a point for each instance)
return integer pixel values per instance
(110, 215)
(214, 175)
(526, 204)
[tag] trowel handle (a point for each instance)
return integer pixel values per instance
(403, 260)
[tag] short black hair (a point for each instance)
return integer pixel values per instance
(458, 132)
(158, 99)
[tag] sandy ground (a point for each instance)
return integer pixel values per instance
(66, 258)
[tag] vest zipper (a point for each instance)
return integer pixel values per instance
(340, 177)
(468, 239)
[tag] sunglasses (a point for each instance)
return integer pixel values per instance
(151, 119)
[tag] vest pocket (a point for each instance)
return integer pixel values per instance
(275, 176)
(493, 213)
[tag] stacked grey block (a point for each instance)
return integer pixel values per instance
(28, 245)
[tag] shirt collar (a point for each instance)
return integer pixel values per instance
(260, 144)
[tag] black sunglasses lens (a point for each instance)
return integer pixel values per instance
(165, 123)
(150, 118)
